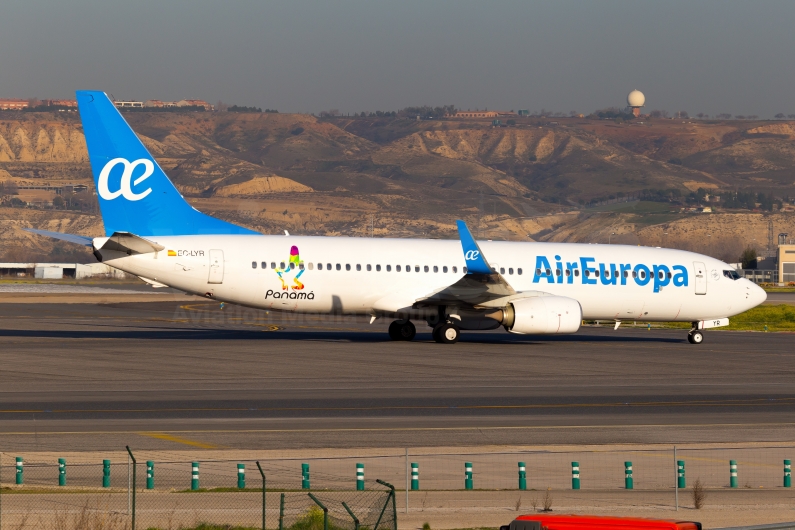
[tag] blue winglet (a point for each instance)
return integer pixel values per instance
(473, 256)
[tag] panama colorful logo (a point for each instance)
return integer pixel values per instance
(293, 266)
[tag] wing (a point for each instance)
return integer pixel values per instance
(480, 285)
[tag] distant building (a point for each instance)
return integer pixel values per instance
(59, 102)
(475, 114)
(786, 263)
(154, 103)
(194, 103)
(129, 104)
(14, 104)
(523, 112)
(61, 270)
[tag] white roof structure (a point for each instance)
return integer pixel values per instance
(636, 99)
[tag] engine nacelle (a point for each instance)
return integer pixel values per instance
(542, 315)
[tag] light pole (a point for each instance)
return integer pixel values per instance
(610, 237)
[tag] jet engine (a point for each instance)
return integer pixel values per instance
(541, 315)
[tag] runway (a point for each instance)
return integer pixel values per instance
(171, 374)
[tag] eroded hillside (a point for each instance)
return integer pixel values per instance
(400, 177)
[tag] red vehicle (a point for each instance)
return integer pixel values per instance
(593, 522)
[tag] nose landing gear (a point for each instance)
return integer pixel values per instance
(695, 337)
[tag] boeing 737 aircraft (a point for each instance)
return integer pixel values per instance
(529, 288)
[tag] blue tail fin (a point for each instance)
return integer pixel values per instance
(133, 192)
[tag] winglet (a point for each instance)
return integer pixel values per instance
(473, 256)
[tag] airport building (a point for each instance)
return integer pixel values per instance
(59, 271)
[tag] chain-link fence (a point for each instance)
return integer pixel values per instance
(185, 489)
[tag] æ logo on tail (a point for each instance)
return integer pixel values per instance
(126, 184)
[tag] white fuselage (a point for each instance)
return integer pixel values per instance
(686, 286)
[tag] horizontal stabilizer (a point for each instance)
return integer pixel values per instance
(127, 243)
(71, 238)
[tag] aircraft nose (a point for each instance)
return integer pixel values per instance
(755, 295)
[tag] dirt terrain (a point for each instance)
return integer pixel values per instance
(399, 177)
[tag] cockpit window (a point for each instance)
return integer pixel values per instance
(731, 274)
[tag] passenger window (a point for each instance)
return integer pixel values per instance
(378, 268)
(425, 268)
(548, 272)
(253, 264)
(502, 270)
(661, 275)
(408, 268)
(264, 264)
(455, 269)
(510, 270)
(301, 266)
(358, 267)
(369, 267)
(670, 275)
(596, 273)
(634, 274)
(465, 270)
(538, 272)
(642, 275)
(444, 269)
(281, 266)
(587, 274)
(320, 266)
(397, 268)
(347, 266)
(339, 267)
(292, 266)
(568, 272)
(519, 271)
(558, 272)
(576, 272)
(626, 274)
(435, 268)
(416, 268)
(389, 268)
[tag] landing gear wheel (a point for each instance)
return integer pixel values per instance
(446, 333)
(435, 333)
(695, 337)
(399, 330)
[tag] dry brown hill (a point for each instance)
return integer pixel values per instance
(297, 172)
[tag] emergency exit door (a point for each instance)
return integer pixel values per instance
(216, 267)
(701, 277)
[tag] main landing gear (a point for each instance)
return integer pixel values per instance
(695, 336)
(446, 333)
(402, 330)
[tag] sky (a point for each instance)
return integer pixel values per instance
(726, 56)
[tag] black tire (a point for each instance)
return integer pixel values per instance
(393, 330)
(435, 333)
(448, 333)
(406, 330)
(695, 337)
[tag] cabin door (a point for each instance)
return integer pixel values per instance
(216, 266)
(701, 277)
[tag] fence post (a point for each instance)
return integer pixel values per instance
(628, 482)
(787, 474)
(522, 476)
(733, 473)
(305, 476)
(281, 513)
(350, 512)
(394, 504)
(62, 472)
(468, 482)
(132, 527)
(150, 475)
(194, 477)
(323, 507)
(676, 480)
(575, 475)
(20, 470)
(241, 476)
(415, 476)
(106, 473)
(681, 482)
(359, 476)
(262, 473)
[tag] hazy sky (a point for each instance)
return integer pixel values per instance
(707, 56)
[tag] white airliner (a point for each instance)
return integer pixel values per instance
(528, 288)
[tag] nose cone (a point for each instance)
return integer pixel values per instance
(755, 295)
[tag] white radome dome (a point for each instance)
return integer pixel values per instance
(636, 99)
